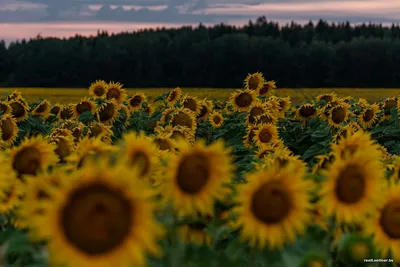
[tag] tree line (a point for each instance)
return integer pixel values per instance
(318, 54)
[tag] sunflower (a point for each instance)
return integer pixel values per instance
(195, 232)
(191, 103)
(173, 96)
(256, 110)
(248, 140)
(323, 162)
(265, 134)
(216, 119)
(284, 105)
(267, 88)
(98, 89)
(9, 129)
(5, 108)
(356, 248)
(243, 99)
(66, 112)
(135, 101)
(182, 132)
(148, 109)
(205, 110)
(345, 131)
(14, 95)
(274, 206)
(385, 225)
(101, 131)
(184, 117)
(387, 105)
(10, 196)
(306, 112)
(107, 112)
(166, 115)
(101, 217)
(254, 81)
(42, 109)
(64, 147)
(32, 156)
(268, 117)
(19, 110)
(196, 176)
(126, 113)
(85, 105)
(266, 151)
(164, 142)
(138, 150)
(369, 116)
(326, 97)
(115, 91)
(55, 110)
(353, 187)
(338, 115)
(77, 132)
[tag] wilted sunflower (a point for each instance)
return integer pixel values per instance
(19, 110)
(85, 105)
(101, 216)
(135, 101)
(184, 117)
(99, 130)
(353, 187)
(216, 119)
(64, 147)
(254, 81)
(385, 224)
(338, 114)
(173, 96)
(55, 109)
(267, 88)
(107, 112)
(32, 156)
(115, 91)
(196, 176)
(265, 134)
(42, 109)
(9, 129)
(191, 103)
(256, 110)
(326, 97)
(139, 151)
(306, 112)
(368, 116)
(274, 206)
(5, 108)
(243, 99)
(98, 89)
(66, 112)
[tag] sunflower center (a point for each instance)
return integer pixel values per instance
(96, 219)
(55, 110)
(41, 108)
(253, 83)
(8, 128)
(265, 89)
(83, 107)
(390, 219)
(172, 96)
(18, 110)
(95, 130)
(243, 100)
(191, 104)
(106, 112)
(216, 119)
(265, 136)
(307, 111)
(350, 186)
(338, 115)
(271, 203)
(135, 101)
(113, 93)
(193, 173)
(27, 161)
(265, 118)
(99, 90)
(254, 112)
(368, 115)
(141, 159)
(182, 119)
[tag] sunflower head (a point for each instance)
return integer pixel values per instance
(388, 104)
(306, 112)
(99, 130)
(64, 147)
(14, 95)
(267, 88)
(243, 99)
(265, 134)
(338, 115)
(164, 142)
(5, 108)
(184, 117)
(368, 116)
(205, 110)
(216, 119)
(135, 101)
(326, 97)
(55, 109)
(66, 112)
(314, 259)
(255, 111)
(254, 81)
(115, 91)
(249, 137)
(173, 96)
(323, 162)
(85, 105)
(9, 129)
(107, 112)
(19, 109)
(42, 109)
(191, 103)
(98, 89)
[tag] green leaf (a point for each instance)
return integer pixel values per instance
(313, 151)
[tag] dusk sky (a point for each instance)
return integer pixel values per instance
(64, 18)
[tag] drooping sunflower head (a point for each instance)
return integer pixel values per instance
(5, 108)
(184, 117)
(98, 89)
(216, 119)
(20, 111)
(77, 132)
(265, 134)
(255, 111)
(306, 112)
(85, 105)
(326, 97)
(107, 112)
(42, 109)
(136, 100)
(243, 99)
(9, 129)
(274, 206)
(205, 110)
(338, 115)
(97, 215)
(173, 96)
(64, 147)
(196, 177)
(352, 188)
(66, 112)
(99, 130)
(114, 91)
(368, 116)
(55, 109)
(191, 103)
(32, 156)
(267, 88)
(254, 81)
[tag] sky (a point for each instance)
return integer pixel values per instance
(65, 18)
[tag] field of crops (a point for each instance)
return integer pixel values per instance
(255, 179)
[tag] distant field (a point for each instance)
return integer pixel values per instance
(68, 95)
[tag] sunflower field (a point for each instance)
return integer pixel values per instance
(254, 180)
